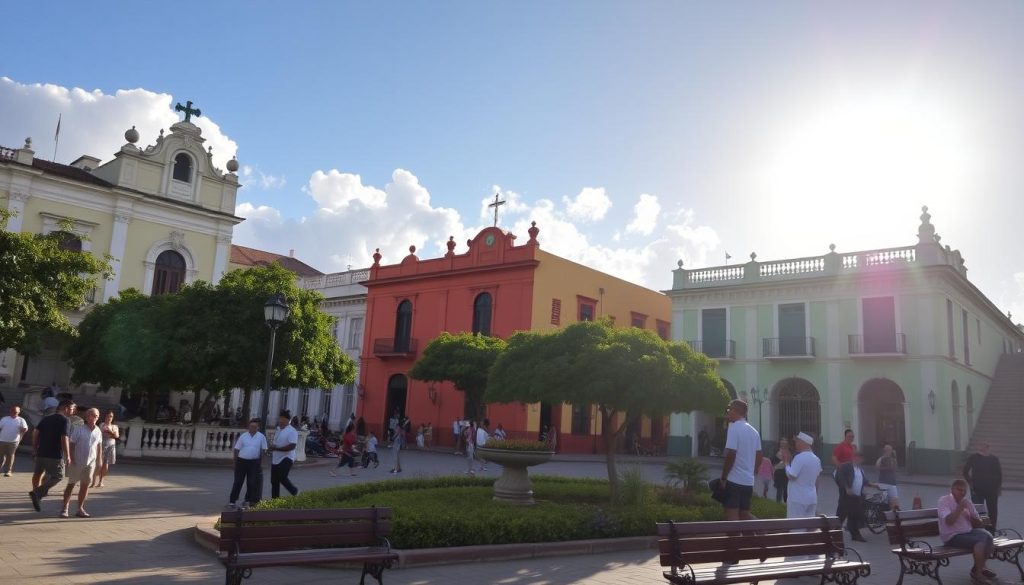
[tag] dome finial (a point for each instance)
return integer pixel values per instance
(131, 135)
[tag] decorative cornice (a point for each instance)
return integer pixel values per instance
(224, 239)
(122, 218)
(20, 196)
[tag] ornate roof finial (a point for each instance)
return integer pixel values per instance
(451, 245)
(377, 257)
(131, 135)
(533, 231)
(233, 164)
(680, 263)
(753, 256)
(28, 143)
(188, 110)
(412, 249)
(832, 248)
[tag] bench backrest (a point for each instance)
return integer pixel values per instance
(904, 525)
(689, 543)
(247, 531)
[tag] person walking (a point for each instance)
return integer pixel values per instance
(52, 449)
(742, 457)
(348, 452)
(984, 474)
(886, 466)
(802, 471)
(470, 434)
(111, 433)
(842, 453)
(779, 477)
(86, 454)
(371, 452)
(961, 527)
(397, 448)
(248, 454)
(852, 482)
(282, 456)
(482, 436)
(12, 429)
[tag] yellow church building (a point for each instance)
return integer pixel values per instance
(163, 214)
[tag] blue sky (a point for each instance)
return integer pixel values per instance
(635, 133)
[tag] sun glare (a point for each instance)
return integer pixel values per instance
(860, 167)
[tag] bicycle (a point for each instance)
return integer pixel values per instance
(875, 507)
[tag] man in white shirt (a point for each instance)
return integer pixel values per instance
(282, 456)
(803, 472)
(12, 429)
(249, 449)
(86, 454)
(742, 457)
(481, 439)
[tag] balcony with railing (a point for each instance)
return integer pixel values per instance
(787, 348)
(878, 345)
(386, 347)
(719, 349)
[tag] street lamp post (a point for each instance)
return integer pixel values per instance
(275, 312)
(759, 398)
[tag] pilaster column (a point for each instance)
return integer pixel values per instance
(118, 240)
(16, 205)
(220, 258)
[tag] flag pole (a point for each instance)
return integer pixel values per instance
(56, 138)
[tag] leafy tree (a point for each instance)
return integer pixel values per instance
(211, 338)
(630, 371)
(464, 360)
(39, 281)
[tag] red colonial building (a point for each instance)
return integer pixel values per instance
(495, 288)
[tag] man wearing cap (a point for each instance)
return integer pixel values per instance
(742, 457)
(803, 472)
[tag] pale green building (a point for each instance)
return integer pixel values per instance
(896, 344)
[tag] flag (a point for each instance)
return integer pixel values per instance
(56, 135)
(727, 256)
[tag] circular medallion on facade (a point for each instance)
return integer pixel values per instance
(489, 240)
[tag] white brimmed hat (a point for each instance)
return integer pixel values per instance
(805, 438)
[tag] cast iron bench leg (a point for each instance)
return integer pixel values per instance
(374, 570)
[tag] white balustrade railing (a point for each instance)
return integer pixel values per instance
(153, 440)
(334, 279)
(809, 267)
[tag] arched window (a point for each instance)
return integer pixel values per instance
(403, 326)
(482, 314)
(955, 391)
(169, 273)
(183, 168)
(970, 412)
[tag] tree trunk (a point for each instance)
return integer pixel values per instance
(151, 405)
(608, 435)
(246, 407)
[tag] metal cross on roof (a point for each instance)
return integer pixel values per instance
(188, 109)
(497, 203)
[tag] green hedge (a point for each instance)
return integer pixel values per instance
(460, 511)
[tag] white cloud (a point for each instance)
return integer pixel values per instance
(645, 215)
(251, 176)
(92, 122)
(355, 218)
(590, 204)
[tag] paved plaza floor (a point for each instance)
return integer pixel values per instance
(141, 532)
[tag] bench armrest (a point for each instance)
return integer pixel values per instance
(920, 545)
(1007, 533)
(385, 543)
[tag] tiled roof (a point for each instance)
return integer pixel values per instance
(245, 256)
(69, 172)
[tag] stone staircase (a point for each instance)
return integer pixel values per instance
(1001, 422)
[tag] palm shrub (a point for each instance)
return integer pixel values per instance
(686, 474)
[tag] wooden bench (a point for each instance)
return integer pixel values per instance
(252, 539)
(685, 545)
(906, 528)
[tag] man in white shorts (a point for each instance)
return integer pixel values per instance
(86, 455)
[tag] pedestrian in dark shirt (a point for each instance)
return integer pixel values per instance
(52, 450)
(985, 476)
